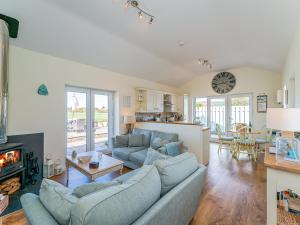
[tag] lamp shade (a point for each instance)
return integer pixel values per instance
(128, 119)
(284, 119)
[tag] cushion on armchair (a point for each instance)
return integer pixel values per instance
(136, 140)
(58, 200)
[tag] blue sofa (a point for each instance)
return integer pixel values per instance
(166, 193)
(134, 157)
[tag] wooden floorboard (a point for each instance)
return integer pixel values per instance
(234, 192)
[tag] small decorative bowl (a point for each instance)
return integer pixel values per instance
(84, 159)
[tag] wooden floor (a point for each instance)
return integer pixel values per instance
(234, 192)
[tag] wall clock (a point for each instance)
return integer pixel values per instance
(223, 82)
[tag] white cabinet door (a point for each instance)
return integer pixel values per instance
(159, 107)
(155, 101)
(150, 101)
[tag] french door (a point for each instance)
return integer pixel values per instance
(223, 110)
(89, 119)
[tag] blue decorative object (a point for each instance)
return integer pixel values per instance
(42, 90)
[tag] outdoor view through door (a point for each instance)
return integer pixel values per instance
(223, 110)
(89, 119)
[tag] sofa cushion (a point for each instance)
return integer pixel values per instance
(126, 176)
(153, 155)
(167, 137)
(138, 157)
(175, 169)
(86, 189)
(158, 143)
(121, 204)
(123, 153)
(58, 200)
(122, 141)
(136, 140)
(173, 148)
(147, 135)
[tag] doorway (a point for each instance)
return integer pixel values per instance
(223, 110)
(89, 122)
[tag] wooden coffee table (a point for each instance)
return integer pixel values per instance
(107, 165)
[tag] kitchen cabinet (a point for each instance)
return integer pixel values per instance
(154, 101)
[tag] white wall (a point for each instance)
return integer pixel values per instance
(30, 112)
(249, 80)
(291, 71)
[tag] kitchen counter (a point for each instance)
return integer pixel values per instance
(281, 176)
(270, 161)
(175, 122)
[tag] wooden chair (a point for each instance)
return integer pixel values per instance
(223, 140)
(245, 143)
(263, 140)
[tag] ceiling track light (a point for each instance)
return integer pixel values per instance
(141, 13)
(205, 63)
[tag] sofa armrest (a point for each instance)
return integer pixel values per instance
(35, 211)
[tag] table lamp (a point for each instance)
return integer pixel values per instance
(128, 121)
(287, 120)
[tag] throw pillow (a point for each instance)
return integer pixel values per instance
(58, 200)
(122, 141)
(136, 140)
(153, 155)
(173, 148)
(86, 189)
(174, 170)
(158, 142)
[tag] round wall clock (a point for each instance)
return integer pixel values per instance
(223, 82)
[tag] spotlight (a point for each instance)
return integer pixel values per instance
(151, 20)
(140, 15)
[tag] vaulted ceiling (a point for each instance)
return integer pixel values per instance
(103, 33)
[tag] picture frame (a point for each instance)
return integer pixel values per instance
(262, 103)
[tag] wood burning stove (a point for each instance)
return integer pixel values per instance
(12, 162)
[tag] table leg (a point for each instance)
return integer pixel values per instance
(121, 171)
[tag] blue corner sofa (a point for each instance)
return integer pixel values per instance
(165, 193)
(134, 156)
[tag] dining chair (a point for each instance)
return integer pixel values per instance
(263, 140)
(223, 139)
(245, 143)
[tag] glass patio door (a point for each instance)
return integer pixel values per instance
(223, 110)
(89, 119)
(77, 120)
(102, 111)
(218, 113)
(240, 109)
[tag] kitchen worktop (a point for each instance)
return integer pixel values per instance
(177, 122)
(270, 161)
